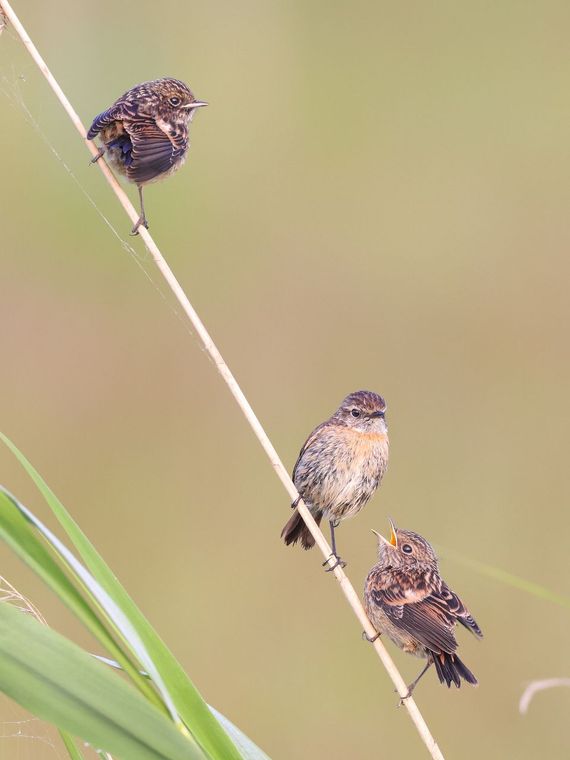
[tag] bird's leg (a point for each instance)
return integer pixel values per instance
(339, 562)
(142, 218)
(413, 685)
(99, 155)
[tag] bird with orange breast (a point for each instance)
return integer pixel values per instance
(340, 466)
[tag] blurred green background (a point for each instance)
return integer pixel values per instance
(377, 197)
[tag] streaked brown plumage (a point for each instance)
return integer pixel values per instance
(145, 132)
(340, 466)
(406, 598)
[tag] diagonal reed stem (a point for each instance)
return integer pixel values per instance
(345, 585)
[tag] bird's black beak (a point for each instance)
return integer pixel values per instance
(377, 414)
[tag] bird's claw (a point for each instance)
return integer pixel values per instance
(339, 563)
(98, 156)
(403, 699)
(370, 639)
(142, 222)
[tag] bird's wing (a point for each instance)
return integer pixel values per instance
(120, 110)
(153, 152)
(307, 445)
(460, 611)
(419, 610)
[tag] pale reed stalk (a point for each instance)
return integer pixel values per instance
(347, 588)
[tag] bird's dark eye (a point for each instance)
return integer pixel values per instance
(174, 101)
(355, 412)
(407, 549)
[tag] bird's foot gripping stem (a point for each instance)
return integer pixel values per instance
(141, 222)
(99, 155)
(339, 562)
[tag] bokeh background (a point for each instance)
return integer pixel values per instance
(377, 197)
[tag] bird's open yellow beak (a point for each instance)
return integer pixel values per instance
(393, 537)
(380, 537)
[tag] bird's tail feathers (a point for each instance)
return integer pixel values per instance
(296, 530)
(450, 669)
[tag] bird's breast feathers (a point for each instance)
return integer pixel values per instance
(340, 484)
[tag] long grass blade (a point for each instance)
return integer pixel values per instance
(70, 745)
(56, 680)
(509, 579)
(181, 696)
(18, 533)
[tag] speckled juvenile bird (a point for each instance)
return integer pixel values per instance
(340, 466)
(145, 132)
(406, 598)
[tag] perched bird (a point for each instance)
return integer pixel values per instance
(145, 132)
(406, 598)
(340, 466)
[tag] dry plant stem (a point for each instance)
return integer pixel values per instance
(535, 686)
(11, 595)
(347, 588)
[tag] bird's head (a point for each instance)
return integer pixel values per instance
(404, 549)
(169, 99)
(363, 411)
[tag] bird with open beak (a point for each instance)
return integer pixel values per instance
(406, 598)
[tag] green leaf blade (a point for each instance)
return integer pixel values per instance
(19, 534)
(56, 680)
(188, 702)
(70, 746)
